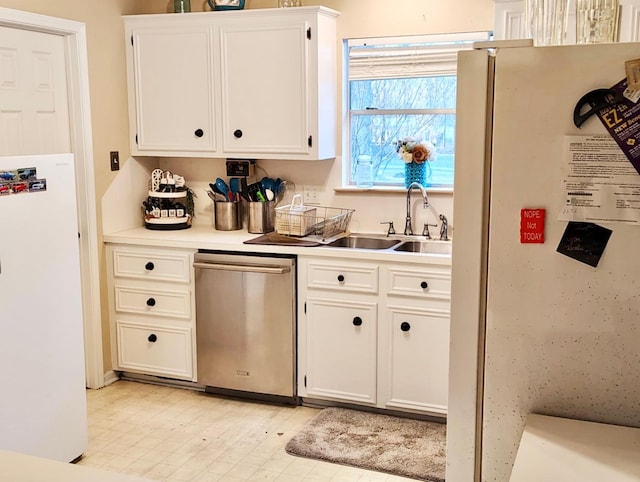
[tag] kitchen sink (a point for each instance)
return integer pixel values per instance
(433, 247)
(364, 242)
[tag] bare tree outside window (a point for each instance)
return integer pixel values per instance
(399, 90)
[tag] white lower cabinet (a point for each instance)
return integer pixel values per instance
(341, 349)
(374, 333)
(152, 310)
(154, 349)
(417, 354)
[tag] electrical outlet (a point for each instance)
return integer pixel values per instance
(115, 160)
(311, 195)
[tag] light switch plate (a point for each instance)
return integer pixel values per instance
(114, 157)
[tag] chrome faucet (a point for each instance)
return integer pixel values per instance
(407, 227)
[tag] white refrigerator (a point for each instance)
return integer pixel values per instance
(42, 380)
(534, 330)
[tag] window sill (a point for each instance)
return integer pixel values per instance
(388, 190)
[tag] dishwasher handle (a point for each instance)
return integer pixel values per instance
(244, 268)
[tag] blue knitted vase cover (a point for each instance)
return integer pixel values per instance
(414, 172)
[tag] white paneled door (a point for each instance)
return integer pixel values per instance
(34, 117)
(44, 109)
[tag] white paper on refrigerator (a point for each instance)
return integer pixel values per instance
(599, 184)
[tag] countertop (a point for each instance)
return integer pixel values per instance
(562, 449)
(206, 237)
(27, 468)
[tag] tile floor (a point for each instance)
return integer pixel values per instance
(173, 434)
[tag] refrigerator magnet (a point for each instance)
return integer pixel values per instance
(38, 185)
(584, 242)
(532, 226)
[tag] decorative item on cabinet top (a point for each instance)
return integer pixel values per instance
(181, 6)
(169, 204)
(226, 4)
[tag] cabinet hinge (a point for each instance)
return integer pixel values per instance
(305, 307)
(310, 141)
(309, 33)
(305, 381)
(136, 139)
(131, 39)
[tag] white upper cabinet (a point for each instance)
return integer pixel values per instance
(510, 18)
(255, 83)
(171, 92)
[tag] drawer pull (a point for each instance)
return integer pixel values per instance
(151, 302)
(237, 133)
(149, 266)
(357, 321)
(424, 285)
(404, 326)
(340, 278)
(199, 133)
(152, 338)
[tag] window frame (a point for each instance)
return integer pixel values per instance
(436, 56)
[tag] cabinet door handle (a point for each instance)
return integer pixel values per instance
(152, 338)
(404, 326)
(357, 321)
(199, 133)
(340, 278)
(149, 266)
(424, 285)
(237, 133)
(151, 302)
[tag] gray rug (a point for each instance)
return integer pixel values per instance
(398, 446)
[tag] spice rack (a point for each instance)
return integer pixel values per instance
(166, 206)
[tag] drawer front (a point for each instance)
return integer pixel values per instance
(356, 278)
(155, 350)
(142, 301)
(152, 265)
(431, 282)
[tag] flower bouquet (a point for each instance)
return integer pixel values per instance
(416, 155)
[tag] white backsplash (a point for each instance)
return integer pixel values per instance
(371, 208)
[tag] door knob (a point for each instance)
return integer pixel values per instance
(149, 266)
(404, 326)
(151, 302)
(199, 133)
(357, 321)
(424, 285)
(340, 278)
(237, 133)
(152, 338)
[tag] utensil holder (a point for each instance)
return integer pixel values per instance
(261, 216)
(227, 216)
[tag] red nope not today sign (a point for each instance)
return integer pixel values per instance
(532, 225)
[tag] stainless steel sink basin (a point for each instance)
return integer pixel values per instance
(433, 247)
(364, 242)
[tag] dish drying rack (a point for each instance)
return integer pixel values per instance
(317, 223)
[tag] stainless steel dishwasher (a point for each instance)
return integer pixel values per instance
(245, 325)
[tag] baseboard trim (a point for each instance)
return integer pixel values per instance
(167, 382)
(110, 377)
(318, 403)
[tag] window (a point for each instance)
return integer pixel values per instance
(402, 87)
